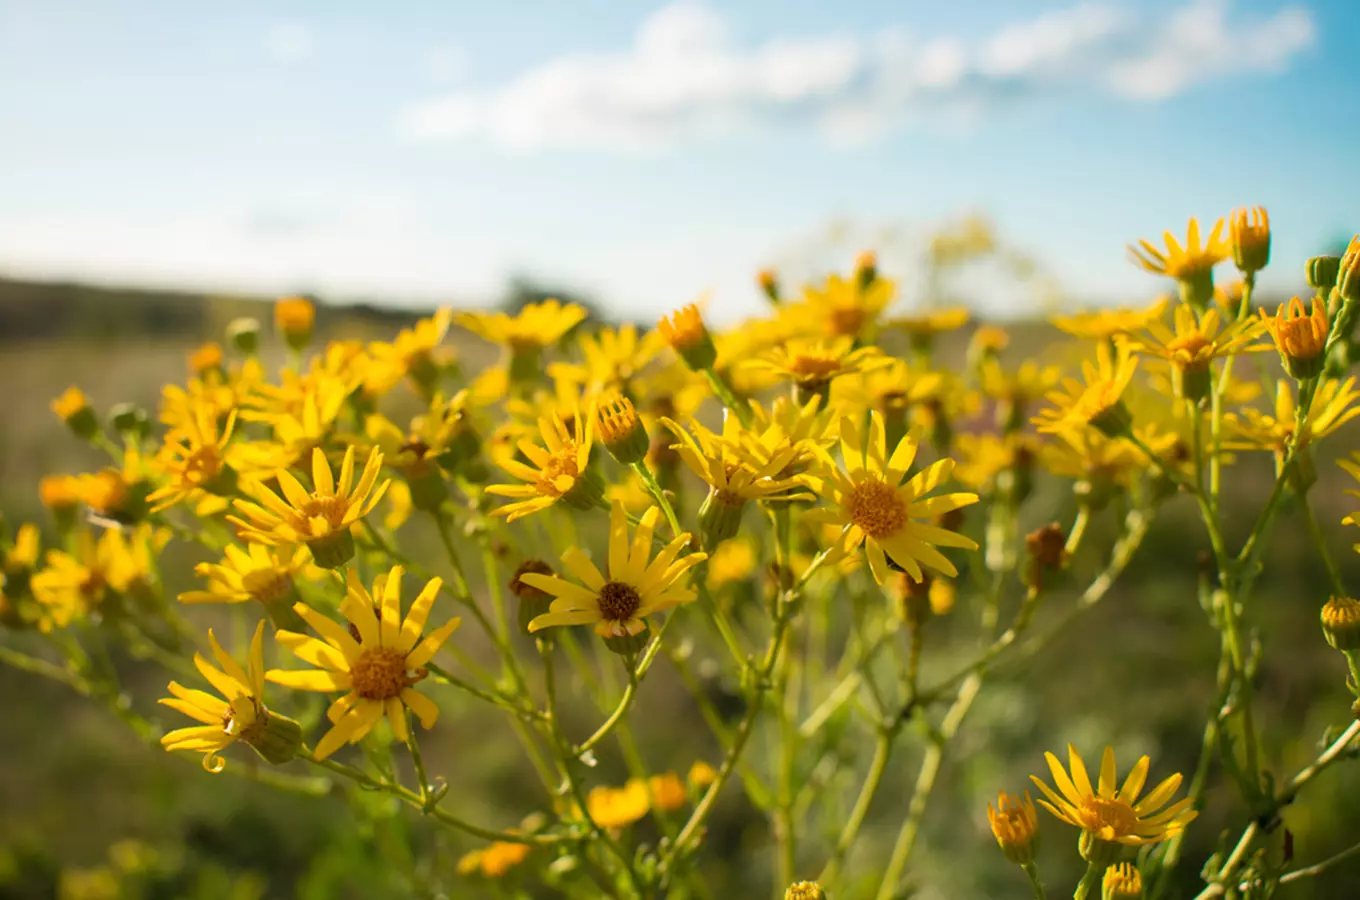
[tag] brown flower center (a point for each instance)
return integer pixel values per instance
(874, 505)
(847, 320)
(619, 601)
(380, 673)
(814, 369)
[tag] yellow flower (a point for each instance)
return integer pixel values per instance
(701, 774)
(688, 336)
(1194, 344)
(841, 307)
(1192, 266)
(929, 324)
(735, 464)
(611, 807)
(613, 358)
(878, 510)
(301, 414)
(1121, 881)
(59, 492)
(621, 430)
(1301, 338)
(76, 584)
(1097, 402)
(194, 459)
(731, 562)
(559, 472)
(1102, 461)
(813, 364)
(805, 890)
(378, 668)
(320, 518)
(1103, 324)
(257, 573)
(1015, 825)
(495, 861)
(1249, 234)
(1258, 431)
(535, 326)
(411, 353)
(295, 316)
(22, 555)
(70, 404)
(983, 457)
(891, 389)
(636, 586)
(242, 716)
(207, 357)
(1352, 468)
(666, 791)
(1112, 813)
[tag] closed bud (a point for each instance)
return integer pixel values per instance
(1323, 272)
(73, 408)
(1300, 337)
(244, 335)
(1015, 825)
(688, 336)
(1341, 623)
(719, 517)
(629, 644)
(866, 268)
(805, 890)
(1348, 272)
(769, 284)
(130, 419)
(621, 431)
(533, 601)
(1046, 548)
(206, 358)
(295, 317)
(1249, 230)
(276, 738)
(333, 550)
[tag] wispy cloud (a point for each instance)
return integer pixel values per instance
(685, 78)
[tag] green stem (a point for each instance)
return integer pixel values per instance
(1089, 882)
(1320, 539)
(1033, 872)
(625, 703)
(728, 397)
(877, 767)
(654, 488)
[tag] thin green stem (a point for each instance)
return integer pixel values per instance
(872, 779)
(1033, 872)
(728, 398)
(1320, 540)
(1089, 882)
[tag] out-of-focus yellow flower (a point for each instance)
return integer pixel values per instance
(320, 518)
(701, 774)
(22, 555)
(689, 338)
(73, 408)
(971, 237)
(635, 588)
(1331, 409)
(1352, 468)
(535, 326)
(983, 457)
(74, 585)
(929, 324)
(1015, 824)
(1249, 234)
(242, 716)
(892, 389)
(1015, 390)
(116, 494)
(58, 492)
(811, 365)
(260, 573)
(731, 562)
(559, 472)
(194, 460)
(1194, 344)
(295, 318)
(769, 284)
(495, 861)
(1097, 402)
(378, 669)
(841, 307)
(301, 415)
(1192, 265)
(1103, 462)
(805, 890)
(99, 883)
(1121, 881)
(1111, 813)
(614, 357)
(1300, 337)
(1104, 324)
(868, 495)
(413, 353)
(611, 807)
(666, 791)
(206, 358)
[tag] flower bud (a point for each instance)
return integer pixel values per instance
(866, 268)
(587, 493)
(74, 409)
(129, 419)
(428, 490)
(1121, 882)
(1046, 548)
(1249, 231)
(1341, 623)
(1300, 337)
(629, 644)
(701, 774)
(206, 358)
(333, 550)
(1323, 272)
(295, 318)
(533, 601)
(769, 284)
(276, 738)
(1113, 421)
(57, 493)
(244, 335)
(1015, 824)
(1097, 851)
(621, 431)
(688, 336)
(1348, 277)
(805, 890)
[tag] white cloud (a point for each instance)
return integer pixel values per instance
(685, 77)
(289, 42)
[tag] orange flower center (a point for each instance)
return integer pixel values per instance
(1191, 345)
(875, 506)
(1107, 818)
(847, 320)
(330, 507)
(201, 466)
(813, 369)
(619, 601)
(380, 674)
(562, 465)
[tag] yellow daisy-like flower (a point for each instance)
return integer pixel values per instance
(811, 365)
(636, 586)
(261, 573)
(1112, 813)
(1300, 337)
(731, 464)
(1192, 265)
(242, 716)
(1104, 324)
(1097, 402)
(559, 471)
(535, 326)
(1332, 408)
(611, 807)
(929, 324)
(849, 307)
(984, 457)
(1193, 345)
(892, 389)
(1103, 461)
(378, 669)
(76, 584)
(320, 518)
(70, 404)
(194, 459)
(412, 353)
(868, 495)
(613, 358)
(295, 316)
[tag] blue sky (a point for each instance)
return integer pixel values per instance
(646, 152)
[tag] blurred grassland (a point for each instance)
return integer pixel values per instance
(1136, 671)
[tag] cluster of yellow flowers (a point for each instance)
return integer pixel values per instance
(821, 439)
